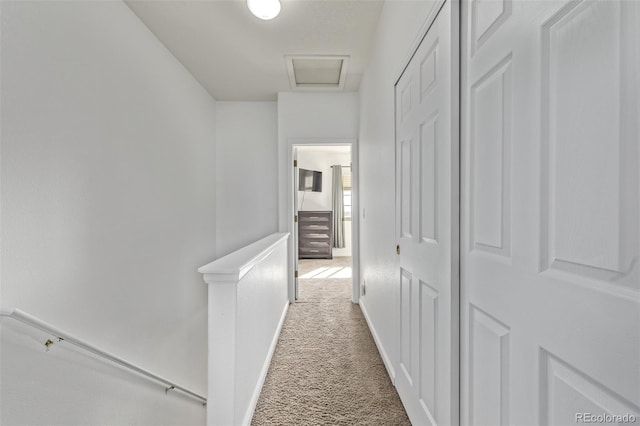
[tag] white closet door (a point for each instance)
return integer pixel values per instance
(550, 212)
(426, 223)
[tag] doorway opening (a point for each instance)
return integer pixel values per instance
(325, 224)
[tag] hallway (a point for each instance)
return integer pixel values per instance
(148, 154)
(326, 368)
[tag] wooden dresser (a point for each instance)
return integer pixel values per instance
(315, 234)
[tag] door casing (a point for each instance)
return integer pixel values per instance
(292, 209)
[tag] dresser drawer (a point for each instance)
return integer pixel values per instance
(315, 234)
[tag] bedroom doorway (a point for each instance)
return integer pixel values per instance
(324, 226)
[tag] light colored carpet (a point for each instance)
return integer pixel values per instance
(326, 369)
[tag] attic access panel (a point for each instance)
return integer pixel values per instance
(317, 72)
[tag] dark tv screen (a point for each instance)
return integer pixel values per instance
(309, 180)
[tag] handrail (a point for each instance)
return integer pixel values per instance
(34, 322)
(234, 266)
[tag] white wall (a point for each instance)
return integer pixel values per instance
(398, 28)
(246, 173)
(108, 208)
(309, 116)
(320, 161)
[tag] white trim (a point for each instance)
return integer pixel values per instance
(234, 266)
(383, 354)
(294, 229)
(355, 217)
(355, 223)
(265, 369)
(317, 87)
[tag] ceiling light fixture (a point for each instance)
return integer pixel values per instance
(264, 9)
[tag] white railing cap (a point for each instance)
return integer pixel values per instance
(232, 267)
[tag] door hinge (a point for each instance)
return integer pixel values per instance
(295, 163)
(296, 274)
(295, 218)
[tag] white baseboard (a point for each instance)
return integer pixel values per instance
(383, 354)
(265, 369)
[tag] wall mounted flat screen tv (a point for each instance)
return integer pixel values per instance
(309, 180)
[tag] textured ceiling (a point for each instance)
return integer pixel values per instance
(238, 57)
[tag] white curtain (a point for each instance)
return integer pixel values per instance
(338, 207)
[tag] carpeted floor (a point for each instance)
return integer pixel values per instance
(326, 369)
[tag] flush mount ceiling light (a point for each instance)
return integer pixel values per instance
(264, 9)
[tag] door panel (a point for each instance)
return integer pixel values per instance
(406, 335)
(426, 201)
(406, 192)
(490, 116)
(550, 219)
(428, 176)
(489, 368)
(428, 348)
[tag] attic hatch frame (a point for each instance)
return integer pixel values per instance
(317, 87)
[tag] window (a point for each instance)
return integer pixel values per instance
(346, 188)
